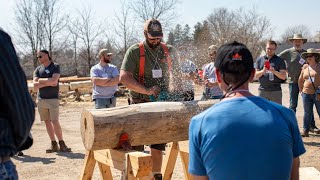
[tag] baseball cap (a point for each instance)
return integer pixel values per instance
(103, 52)
(233, 54)
(153, 28)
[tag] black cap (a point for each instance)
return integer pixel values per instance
(153, 28)
(233, 52)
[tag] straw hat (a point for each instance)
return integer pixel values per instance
(311, 51)
(298, 36)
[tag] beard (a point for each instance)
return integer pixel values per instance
(106, 60)
(153, 45)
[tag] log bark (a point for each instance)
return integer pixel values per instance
(80, 84)
(147, 123)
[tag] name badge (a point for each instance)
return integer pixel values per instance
(302, 61)
(311, 79)
(47, 71)
(156, 73)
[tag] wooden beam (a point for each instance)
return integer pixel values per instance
(111, 157)
(146, 123)
(169, 161)
(105, 171)
(80, 84)
(88, 167)
(141, 164)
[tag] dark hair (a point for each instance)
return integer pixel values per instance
(272, 43)
(235, 62)
(46, 52)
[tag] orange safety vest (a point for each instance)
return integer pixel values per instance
(143, 58)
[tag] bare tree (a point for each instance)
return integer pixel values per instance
(74, 41)
(55, 22)
(163, 10)
(30, 27)
(88, 31)
(242, 25)
(124, 30)
(298, 29)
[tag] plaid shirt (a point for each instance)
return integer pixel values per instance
(17, 109)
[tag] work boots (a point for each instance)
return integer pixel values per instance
(54, 147)
(63, 147)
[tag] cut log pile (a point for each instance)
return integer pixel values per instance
(67, 84)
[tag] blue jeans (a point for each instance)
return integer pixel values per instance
(8, 171)
(294, 92)
(105, 102)
(308, 101)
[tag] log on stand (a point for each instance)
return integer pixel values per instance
(147, 123)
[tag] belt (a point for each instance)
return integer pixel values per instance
(4, 159)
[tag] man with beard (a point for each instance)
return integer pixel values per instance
(105, 79)
(151, 69)
(294, 61)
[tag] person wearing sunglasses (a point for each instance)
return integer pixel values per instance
(46, 82)
(151, 71)
(309, 87)
(294, 61)
(105, 79)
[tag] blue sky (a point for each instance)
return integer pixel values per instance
(282, 14)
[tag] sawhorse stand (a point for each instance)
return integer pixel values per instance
(134, 165)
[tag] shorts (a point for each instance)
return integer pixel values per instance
(48, 109)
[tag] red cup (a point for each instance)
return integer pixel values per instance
(267, 64)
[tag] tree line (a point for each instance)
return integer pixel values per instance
(76, 38)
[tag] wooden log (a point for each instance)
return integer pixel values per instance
(147, 123)
(80, 84)
(73, 79)
(63, 88)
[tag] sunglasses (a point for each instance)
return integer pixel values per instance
(153, 39)
(39, 57)
(310, 56)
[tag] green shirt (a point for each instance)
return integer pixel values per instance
(154, 59)
(292, 57)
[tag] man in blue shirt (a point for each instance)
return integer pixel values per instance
(105, 78)
(243, 136)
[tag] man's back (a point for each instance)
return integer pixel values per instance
(244, 138)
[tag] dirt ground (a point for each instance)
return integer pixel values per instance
(36, 164)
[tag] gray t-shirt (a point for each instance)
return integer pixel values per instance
(292, 57)
(48, 92)
(278, 64)
(108, 71)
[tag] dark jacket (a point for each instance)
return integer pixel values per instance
(16, 105)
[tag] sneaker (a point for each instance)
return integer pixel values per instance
(305, 134)
(315, 130)
(20, 153)
(63, 147)
(54, 147)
